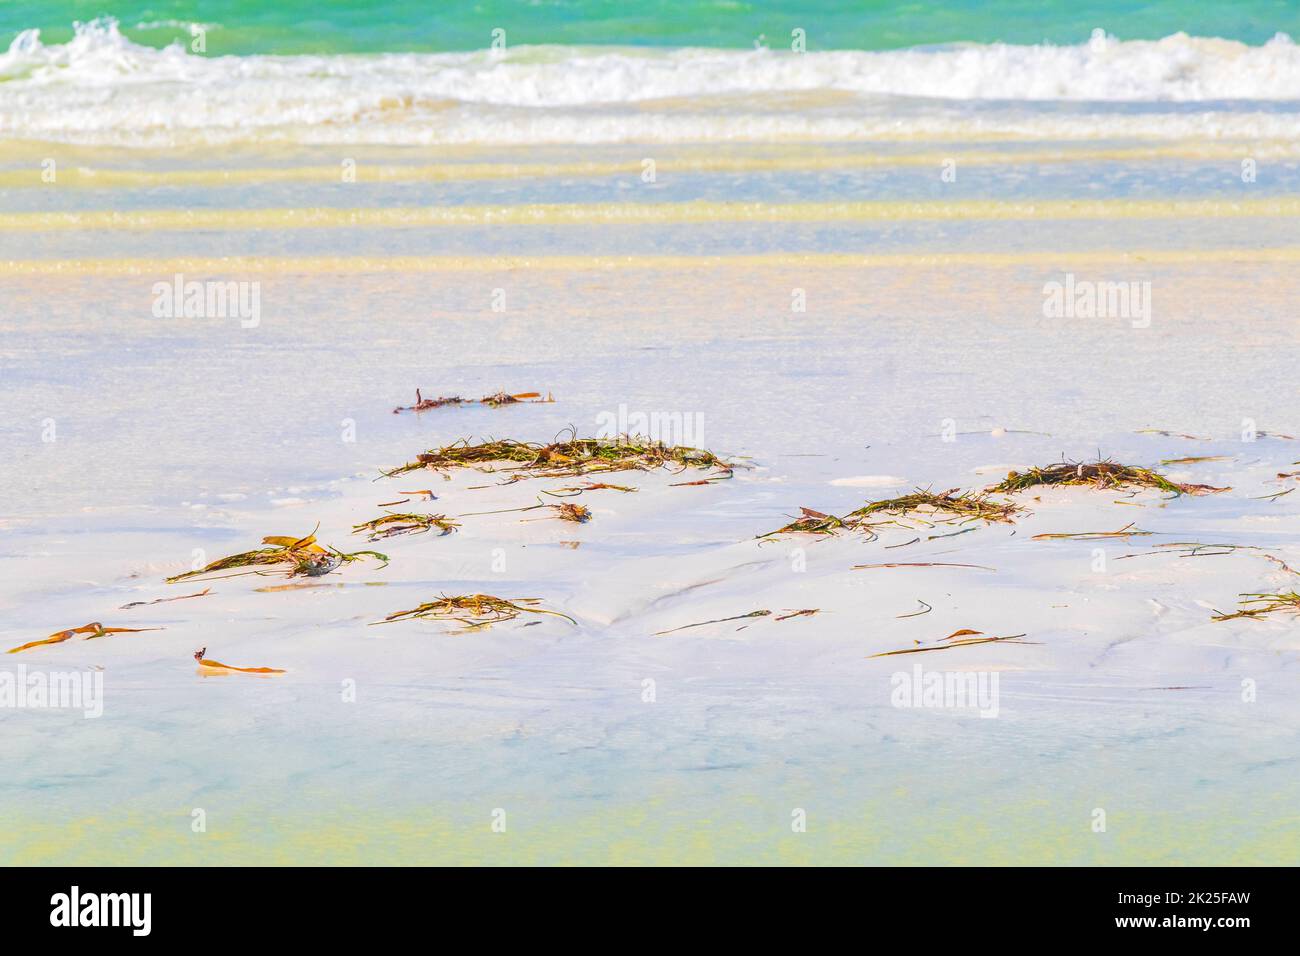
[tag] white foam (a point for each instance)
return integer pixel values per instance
(101, 87)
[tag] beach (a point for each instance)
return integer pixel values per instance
(846, 284)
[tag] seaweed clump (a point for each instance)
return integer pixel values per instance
(393, 524)
(1264, 604)
(947, 507)
(495, 400)
(294, 556)
(474, 610)
(810, 522)
(574, 456)
(1101, 474)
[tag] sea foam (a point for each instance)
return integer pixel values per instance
(102, 87)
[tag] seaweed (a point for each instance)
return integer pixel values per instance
(495, 400)
(218, 666)
(572, 491)
(1282, 564)
(965, 642)
(946, 506)
(392, 524)
(1274, 496)
(721, 620)
(501, 398)
(184, 597)
(564, 458)
(91, 631)
(1128, 531)
(1193, 549)
(925, 609)
(1101, 474)
(1170, 434)
(292, 556)
(565, 512)
(809, 522)
(473, 610)
(571, 512)
(1265, 604)
(801, 612)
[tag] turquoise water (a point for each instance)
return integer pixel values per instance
(312, 26)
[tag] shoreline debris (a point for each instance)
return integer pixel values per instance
(495, 400)
(473, 610)
(183, 597)
(721, 620)
(292, 556)
(571, 457)
(92, 631)
(1267, 604)
(393, 524)
(965, 642)
(217, 665)
(802, 612)
(928, 507)
(1128, 531)
(1101, 474)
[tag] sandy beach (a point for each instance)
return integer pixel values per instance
(813, 299)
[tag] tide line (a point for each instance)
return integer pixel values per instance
(552, 214)
(156, 268)
(76, 174)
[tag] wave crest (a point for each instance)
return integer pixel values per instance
(100, 86)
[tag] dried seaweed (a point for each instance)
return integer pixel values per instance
(91, 631)
(474, 610)
(1263, 605)
(392, 524)
(947, 506)
(925, 609)
(1100, 474)
(565, 512)
(570, 457)
(809, 522)
(1272, 497)
(495, 400)
(1193, 549)
(218, 666)
(1128, 531)
(183, 597)
(1168, 434)
(292, 556)
(967, 642)
(572, 491)
(802, 612)
(721, 620)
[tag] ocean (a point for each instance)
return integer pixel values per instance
(569, 73)
(299, 26)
